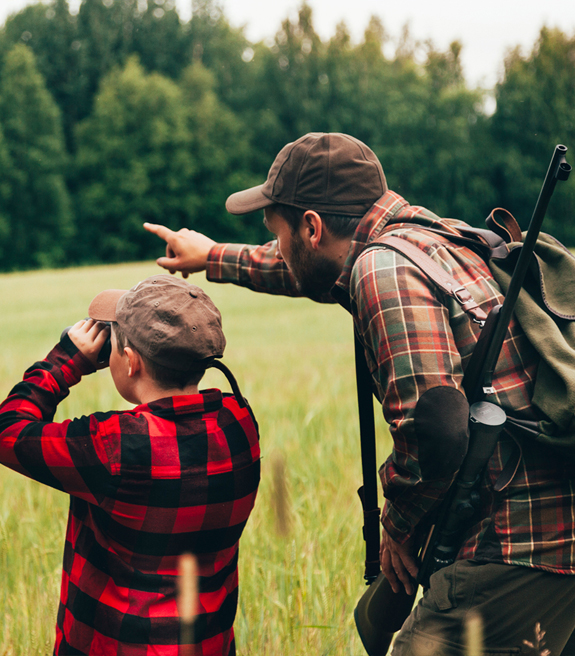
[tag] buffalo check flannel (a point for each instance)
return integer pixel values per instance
(415, 338)
(176, 475)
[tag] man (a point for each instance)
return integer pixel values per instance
(326, 199)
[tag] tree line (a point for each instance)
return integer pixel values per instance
(122, 113)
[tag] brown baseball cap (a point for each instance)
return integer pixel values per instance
(169, 321)
(328, 172)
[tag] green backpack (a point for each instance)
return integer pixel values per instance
(545, 310)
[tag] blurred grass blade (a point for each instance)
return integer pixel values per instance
(187, 600)
(280, 495)
(473, 635)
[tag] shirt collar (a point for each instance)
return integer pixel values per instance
(369, 228)
(210, 400)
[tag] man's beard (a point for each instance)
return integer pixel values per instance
(314, 274)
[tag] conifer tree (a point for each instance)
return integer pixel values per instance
(51, 32)
(133, 164)
(535, 112)
(221, 150)
(38, 206)
(5, 197)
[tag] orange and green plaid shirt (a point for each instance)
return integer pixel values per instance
(416, 338)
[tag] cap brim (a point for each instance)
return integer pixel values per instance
(103, 306)
(250, 200)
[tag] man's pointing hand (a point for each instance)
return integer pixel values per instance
(186, 250)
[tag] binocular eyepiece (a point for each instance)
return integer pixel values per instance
(106, 350)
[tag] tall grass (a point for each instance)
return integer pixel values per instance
(301, 572)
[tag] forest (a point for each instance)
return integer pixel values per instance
(121, 113)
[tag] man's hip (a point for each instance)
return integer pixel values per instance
(511, 601)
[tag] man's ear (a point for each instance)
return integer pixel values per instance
(312, 226)
(134, 361)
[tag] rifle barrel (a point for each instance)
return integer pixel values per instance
(558, 169)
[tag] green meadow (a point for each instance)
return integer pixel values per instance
(301, 556)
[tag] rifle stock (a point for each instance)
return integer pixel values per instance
(380, 612)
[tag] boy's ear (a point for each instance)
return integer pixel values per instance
(313, 228)
(134, 361)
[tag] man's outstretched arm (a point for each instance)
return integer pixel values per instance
(255, 267)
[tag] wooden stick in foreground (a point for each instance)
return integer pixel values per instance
(187, 601)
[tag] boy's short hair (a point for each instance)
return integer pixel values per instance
(164, 377)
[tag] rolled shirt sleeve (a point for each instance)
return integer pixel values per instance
(254, 267)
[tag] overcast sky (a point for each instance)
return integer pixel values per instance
(487, 28)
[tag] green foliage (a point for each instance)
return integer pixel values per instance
(6, 190)
(160, 39)
(431, 135)
(164, 119)
(51, 32)
(221, 150)
(133, 165)
(222, 49)
(536, 111)
(75, 52)
(33, 193)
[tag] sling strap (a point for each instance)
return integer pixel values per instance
(368, 491)
(436, 273)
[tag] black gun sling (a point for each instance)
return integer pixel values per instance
(368, 491)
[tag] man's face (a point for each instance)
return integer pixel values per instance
(314, 273)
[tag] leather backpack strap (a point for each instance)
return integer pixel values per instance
(504, 224)
(434, 272)
(488, 243)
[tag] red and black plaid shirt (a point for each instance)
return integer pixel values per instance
(176, 475)
(415, 339)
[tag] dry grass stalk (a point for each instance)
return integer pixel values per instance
(280, 495)
(539, 644)
(187, 601)
(473, 635)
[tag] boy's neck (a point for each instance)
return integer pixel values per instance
(148, 392)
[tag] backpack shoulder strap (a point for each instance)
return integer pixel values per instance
(434, 272)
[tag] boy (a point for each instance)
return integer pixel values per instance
(177, 473)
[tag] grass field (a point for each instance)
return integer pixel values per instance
(294, 362)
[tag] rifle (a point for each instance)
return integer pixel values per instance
(380, 612)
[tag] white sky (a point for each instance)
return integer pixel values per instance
(487, 28)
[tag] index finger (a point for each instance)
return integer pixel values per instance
(159, 230)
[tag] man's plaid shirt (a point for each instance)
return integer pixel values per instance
(415, 339)
(176, 475)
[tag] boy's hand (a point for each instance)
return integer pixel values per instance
(186, 250)
(89, 336)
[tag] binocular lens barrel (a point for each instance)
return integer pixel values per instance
(105, 351)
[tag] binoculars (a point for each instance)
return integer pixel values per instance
(105, 351)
